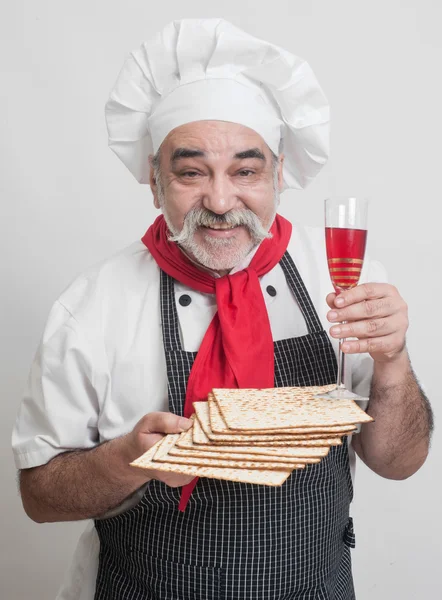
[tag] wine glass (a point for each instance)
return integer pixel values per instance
(345, 237)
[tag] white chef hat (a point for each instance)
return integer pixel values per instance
(208, 69)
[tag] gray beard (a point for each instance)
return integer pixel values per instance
(217, 254)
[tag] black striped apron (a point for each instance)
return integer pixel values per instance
(238, 541)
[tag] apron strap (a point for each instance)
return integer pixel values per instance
(301, 294)
(169, 314)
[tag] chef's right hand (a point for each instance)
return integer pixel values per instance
(147, 432)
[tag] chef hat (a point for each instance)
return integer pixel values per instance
(207, 69)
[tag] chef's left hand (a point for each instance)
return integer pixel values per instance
(376, 315)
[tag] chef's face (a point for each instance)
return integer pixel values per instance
(218, 185)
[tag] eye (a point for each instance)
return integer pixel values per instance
(190, 174)
(245, 172)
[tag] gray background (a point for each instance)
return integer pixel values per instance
(67, 202)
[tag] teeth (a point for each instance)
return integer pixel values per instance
(222, 227)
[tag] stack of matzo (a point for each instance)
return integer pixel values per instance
(256, 436)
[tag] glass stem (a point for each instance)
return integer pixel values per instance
(341, 364)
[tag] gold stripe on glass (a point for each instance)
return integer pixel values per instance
(334, 269)
(346, 260)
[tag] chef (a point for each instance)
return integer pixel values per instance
(220, 292)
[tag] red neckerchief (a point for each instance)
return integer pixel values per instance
(237, 349)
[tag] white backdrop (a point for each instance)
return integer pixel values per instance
(67, 202)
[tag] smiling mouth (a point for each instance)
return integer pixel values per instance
(220, 227)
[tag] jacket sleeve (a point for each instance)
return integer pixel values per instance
(59, 410)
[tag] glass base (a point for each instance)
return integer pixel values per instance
(342, 394)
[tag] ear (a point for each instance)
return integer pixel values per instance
(153, 183)
(281, 172)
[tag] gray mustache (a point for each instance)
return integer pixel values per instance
(202, 217)
(206, 218)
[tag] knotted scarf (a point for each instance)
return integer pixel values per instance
(237, 349)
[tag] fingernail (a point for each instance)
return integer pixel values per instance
(184, 424)
(336, 330)
(339, 301)
(333, 316)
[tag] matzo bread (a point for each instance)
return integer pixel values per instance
(275, 408)
(264, 477)
(163, 455)
(218, 425)
(202, 413)
(199, 437)
(186, 443)
(234, 456)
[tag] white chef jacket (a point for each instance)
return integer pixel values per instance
(100, 366)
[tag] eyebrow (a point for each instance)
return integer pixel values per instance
(185, 153)
(251, 153)
(179, 153)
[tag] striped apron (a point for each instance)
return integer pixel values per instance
(238, 541)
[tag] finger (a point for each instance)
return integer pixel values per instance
(170, 479)
(381, 345)
(368, 309)
(331, 300)
(366, 328)
(174, 480)
(365, 291)
(163, 422)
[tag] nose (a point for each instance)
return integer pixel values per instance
(219, 196)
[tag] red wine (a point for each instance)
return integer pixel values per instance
(345, 254)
